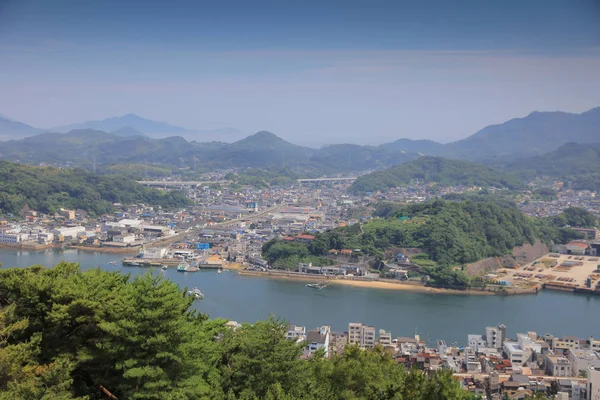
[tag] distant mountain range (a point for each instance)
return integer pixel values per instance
(132, 139)
(536, 134)
(131, 121)
(10, 129)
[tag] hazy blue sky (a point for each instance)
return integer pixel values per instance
(312, 72)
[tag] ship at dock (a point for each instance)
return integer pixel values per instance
(185, 267)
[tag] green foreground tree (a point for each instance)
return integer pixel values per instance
(70, 334)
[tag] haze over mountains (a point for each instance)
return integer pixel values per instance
(132, 139)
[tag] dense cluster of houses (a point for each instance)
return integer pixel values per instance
(491, 365)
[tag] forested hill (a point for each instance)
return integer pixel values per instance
(575, 163)
(451, 233)
(68, 334)
(436, 170)
(47, 189)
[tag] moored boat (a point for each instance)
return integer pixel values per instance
(182, 267)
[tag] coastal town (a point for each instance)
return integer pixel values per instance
(229, 226)
(490, 365)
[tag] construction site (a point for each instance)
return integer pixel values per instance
(553, 271)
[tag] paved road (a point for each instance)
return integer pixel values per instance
(194, 232)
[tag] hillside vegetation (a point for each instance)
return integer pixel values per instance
(68, 334)
(453, 233)
(47, 189)
(435, 170)
(576, 164)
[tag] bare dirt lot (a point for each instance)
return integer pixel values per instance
(567, 270)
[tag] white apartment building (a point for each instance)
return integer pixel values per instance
(519, 352)
(361, 335)
(9, 237)
(296, 333)
(385, 337)
(129, 238)
(593, 384)
(45, 237)
(583, 360)
(68, 232)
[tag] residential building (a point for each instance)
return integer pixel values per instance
(593, 384)
(68, 214)
(318, 339)
(476, 341)
(588, 233)
(361, 335)
(68, 232)
(582, 360)
(495, 336)
(45, 237)
(558, 366)
(296, 333)
(565, 343)
(593, 344)
(385, 337)
(128, 238)
(9, 237)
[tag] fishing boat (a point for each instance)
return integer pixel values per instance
(197, 293)
(182, 267)
(164, 267)
(320, 285)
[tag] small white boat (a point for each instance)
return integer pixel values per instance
(320, 285)
(164, 267)
(197, 293)
(219, 271)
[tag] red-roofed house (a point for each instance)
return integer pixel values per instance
(578, 248)
(304, 238)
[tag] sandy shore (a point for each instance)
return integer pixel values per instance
(386, 285)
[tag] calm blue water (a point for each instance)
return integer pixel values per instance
(448, 317)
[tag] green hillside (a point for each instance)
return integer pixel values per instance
(48, 189)
(435, 170)
(573, 163)
(451, 233)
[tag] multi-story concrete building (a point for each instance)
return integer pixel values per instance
(495, 336)
(582, 360)
(361, 335)
(385, 337)
(9, 237)
(593, 384)
(558, 366)
(296, 333)
(565, 343)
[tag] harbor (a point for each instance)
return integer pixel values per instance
(246, 298)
